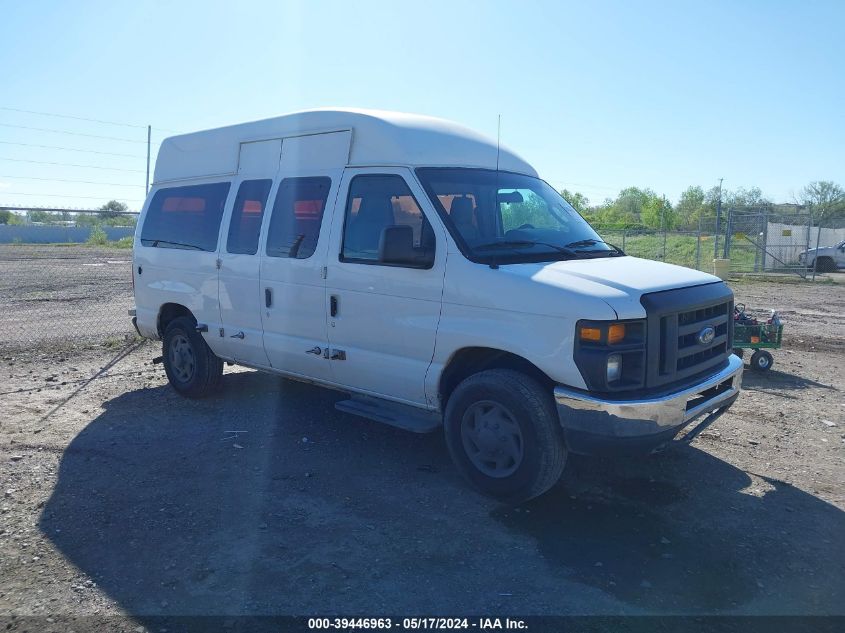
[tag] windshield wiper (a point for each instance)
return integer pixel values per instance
(587, 242)
(180, 244)
(590, 241)
(519, 243)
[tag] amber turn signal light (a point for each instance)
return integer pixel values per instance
(591, 334)
(615, 333)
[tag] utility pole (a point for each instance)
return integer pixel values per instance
(818, 240)
(149, 133)
(718, 221)
(729, 231)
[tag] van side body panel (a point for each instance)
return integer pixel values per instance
(485, 307)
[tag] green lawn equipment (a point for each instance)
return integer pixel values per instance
(749, 333)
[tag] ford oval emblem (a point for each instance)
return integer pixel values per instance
(706, 336)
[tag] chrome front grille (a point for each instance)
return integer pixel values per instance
(677, 320)
(689, 352)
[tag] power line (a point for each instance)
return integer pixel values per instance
(85, 182)
(42, 162)
(52, 131)
(72, 149)
(80, 118)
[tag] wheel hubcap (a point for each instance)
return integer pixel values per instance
(492, 438)
(182, 358)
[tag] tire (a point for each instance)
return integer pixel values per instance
(191, 367)
(739, 351)
(504, 435)
(825, 265)
(761, 360)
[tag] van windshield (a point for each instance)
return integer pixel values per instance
(503, 217)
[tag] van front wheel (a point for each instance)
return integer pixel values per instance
(504, 435)
(191, 367)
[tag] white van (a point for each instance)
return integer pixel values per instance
(430, 274)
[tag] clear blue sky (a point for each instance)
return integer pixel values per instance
(597, 95)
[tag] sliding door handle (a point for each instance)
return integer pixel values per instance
(333, 305)
(268, 297)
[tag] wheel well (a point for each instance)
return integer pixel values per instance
(170, 311)
(471, 360)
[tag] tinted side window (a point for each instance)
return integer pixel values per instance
(376, 202)
(297, 216)
(185, 217)
(245, 225)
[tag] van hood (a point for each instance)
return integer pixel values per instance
(619, 281)
(820, 250)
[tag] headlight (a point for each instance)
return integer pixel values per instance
(614, 368)
(611, 354)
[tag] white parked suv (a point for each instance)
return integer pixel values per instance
(430, 274)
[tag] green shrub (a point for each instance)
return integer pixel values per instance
(98, 237)
(123, 242)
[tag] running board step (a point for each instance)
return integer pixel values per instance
(399, 415)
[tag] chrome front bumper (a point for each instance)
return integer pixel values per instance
(588, 420)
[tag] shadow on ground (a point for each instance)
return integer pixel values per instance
(264, 500)
(769, 381)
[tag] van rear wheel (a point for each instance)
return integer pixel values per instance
(191, 367)
(504, 435)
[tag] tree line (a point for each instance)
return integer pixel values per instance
(635, 206)
(110, 214)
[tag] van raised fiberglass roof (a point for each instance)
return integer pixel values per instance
(369, 138)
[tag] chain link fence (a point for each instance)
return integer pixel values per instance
(72, 281)
(760, 241)
(66, 279)
(50, 294)
(751, 240)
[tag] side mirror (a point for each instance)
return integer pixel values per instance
(396, 246)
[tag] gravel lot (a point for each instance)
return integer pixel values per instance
(122, 498)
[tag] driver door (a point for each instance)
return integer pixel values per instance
(383, 318)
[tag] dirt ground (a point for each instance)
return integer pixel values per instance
(120, 497)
